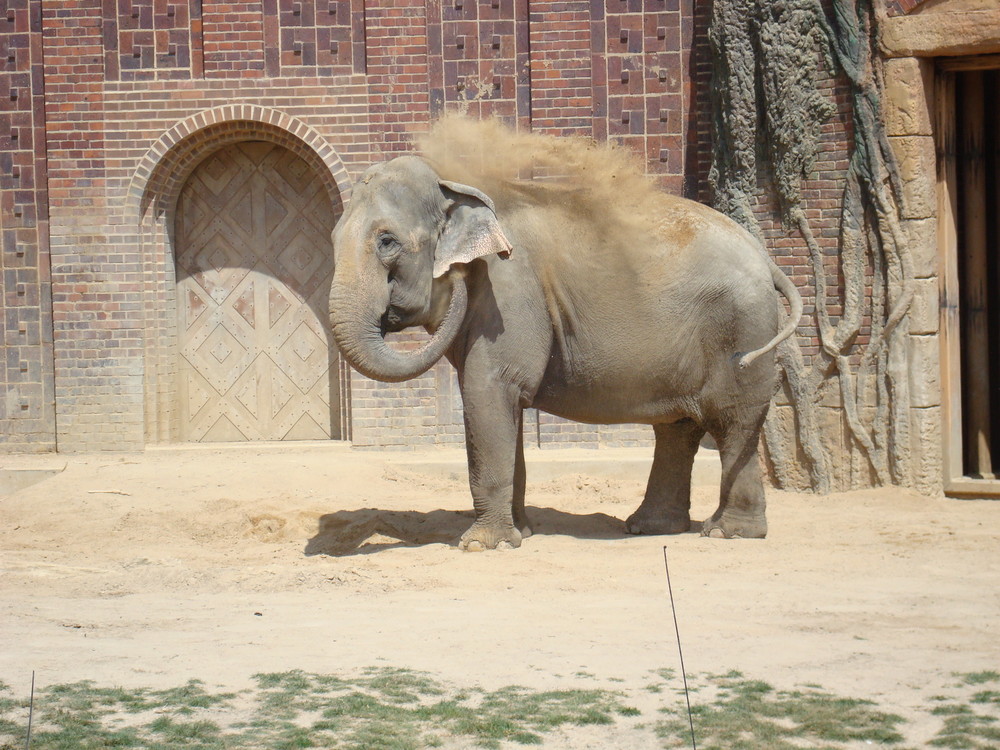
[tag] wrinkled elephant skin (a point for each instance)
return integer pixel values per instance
(537, 302)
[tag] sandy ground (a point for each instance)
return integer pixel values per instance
(152, 569)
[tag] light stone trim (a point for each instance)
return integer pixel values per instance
(973, 32)
(917, 160)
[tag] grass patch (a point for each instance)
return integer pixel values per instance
(83, 716)
(970, 719)
(379, 709)
(751, 715)
(400, 709)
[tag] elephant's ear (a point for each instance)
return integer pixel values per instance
(471, 230)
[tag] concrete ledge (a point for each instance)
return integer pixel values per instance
(13, 480)
(338, 446)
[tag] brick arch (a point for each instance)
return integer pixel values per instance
(169, 162)
(152, 196)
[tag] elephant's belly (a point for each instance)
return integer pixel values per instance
(607, 404)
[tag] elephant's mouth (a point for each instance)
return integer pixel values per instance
(393, 320)
(396, 319)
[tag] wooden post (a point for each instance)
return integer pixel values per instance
(950, 290)
(975, 277)
(991, 125)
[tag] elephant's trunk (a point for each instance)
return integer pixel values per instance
(358, 333)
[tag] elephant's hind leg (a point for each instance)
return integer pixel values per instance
(666, 507)
(741, 511)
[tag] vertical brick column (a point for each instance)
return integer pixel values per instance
(233, 39)
(396, 34)
(27, 412)
(696, 17)
(95, 286)
(562, 101)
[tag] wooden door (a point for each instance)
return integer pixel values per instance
(968, 140)
(254, 263)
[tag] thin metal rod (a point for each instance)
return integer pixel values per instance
(31, 711)
(680, 651)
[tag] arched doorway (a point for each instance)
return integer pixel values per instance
(254, 263)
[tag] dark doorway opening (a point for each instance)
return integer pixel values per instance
(977, 222)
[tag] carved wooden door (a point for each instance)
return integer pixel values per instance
(254, 264)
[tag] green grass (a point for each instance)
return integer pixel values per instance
(380, 709)
(752, 715)
(400, 709)
(971, 719)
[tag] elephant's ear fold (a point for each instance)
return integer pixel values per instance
(471, 230)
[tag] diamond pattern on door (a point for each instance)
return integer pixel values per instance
(254, 264)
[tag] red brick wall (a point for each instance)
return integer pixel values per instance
(396, 50)
(26, 378)
(562, 82)
(95, 290)
(363, 77)
(232, 39)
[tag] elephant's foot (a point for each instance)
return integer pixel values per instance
(481, 536)
(644, 522)
(735, 525)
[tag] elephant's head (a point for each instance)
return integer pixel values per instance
(404, 232)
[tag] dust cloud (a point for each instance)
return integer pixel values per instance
(492, 156)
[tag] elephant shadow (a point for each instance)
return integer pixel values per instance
(369, 530)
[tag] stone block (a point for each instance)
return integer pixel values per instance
(782, 428)
(921, 236)
(941, 33)
(836, 445)
(924, 316)
(917, 161)
(829, 392)
(925, 441)
(925, 371)
(907, 109)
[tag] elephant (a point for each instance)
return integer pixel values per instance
(540, 298)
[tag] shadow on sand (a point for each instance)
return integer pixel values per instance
(368, 530)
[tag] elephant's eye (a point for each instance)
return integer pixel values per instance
(387, 247)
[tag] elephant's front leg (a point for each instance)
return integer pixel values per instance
(493, 418)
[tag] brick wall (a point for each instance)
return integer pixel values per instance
(562, 81)
(135, 91)
(26, 377)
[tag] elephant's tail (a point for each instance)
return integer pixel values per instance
(784, 285)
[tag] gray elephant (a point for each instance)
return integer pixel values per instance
(543, 295)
